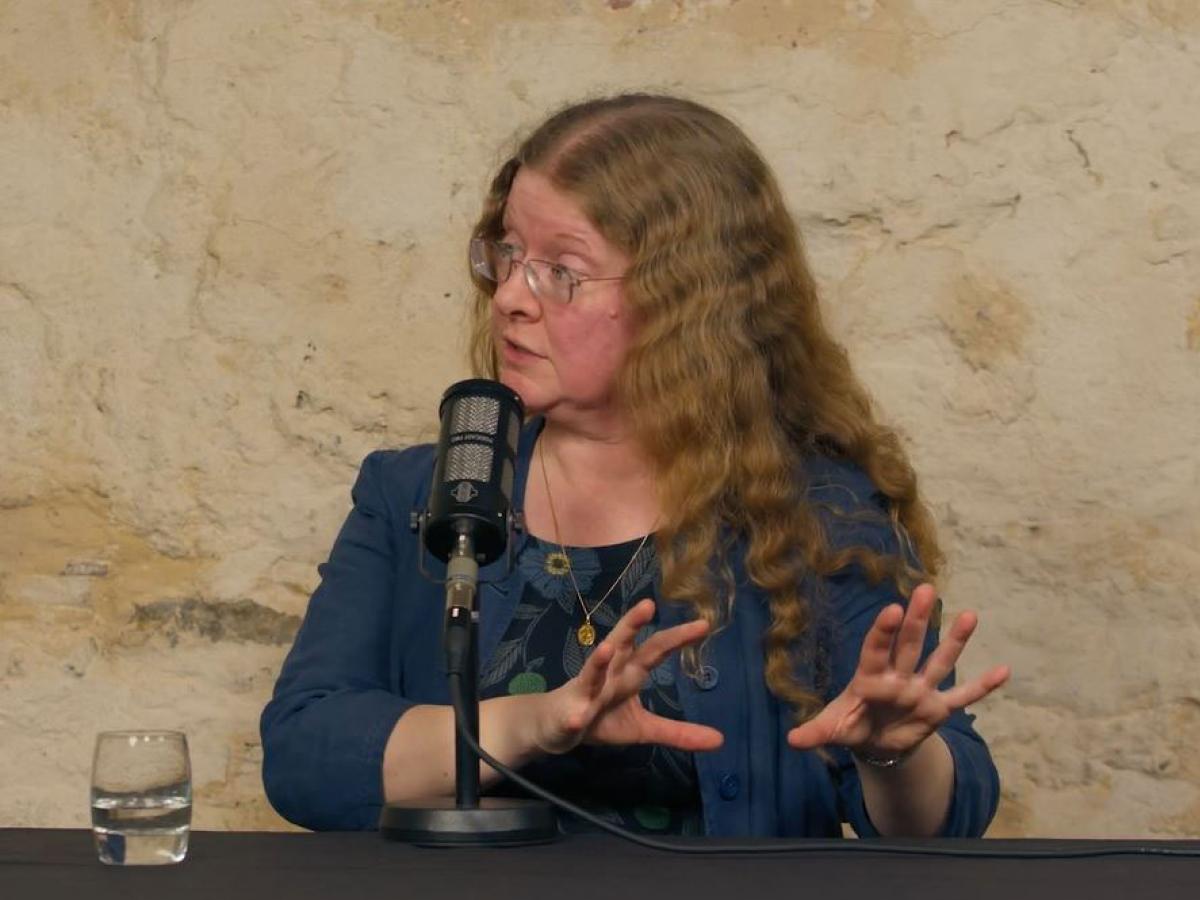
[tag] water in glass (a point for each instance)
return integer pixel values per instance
(141, 798)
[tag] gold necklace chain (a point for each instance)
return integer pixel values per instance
(586, 633)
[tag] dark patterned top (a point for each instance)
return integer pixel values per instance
(646, 788)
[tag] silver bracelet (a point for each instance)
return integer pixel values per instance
(883, 762)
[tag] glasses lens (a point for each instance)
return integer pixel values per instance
(495, 262)
(552, 282)
(481, 259)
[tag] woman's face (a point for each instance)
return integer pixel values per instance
(561, 358)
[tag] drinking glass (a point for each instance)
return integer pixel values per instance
(141, 797)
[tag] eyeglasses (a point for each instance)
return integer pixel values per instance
(494, 260)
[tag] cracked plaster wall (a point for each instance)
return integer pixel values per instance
(230, 244)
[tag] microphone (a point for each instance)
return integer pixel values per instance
(468, 523)
(473, 476)
(469, 519)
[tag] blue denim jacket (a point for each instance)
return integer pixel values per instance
(370, 647)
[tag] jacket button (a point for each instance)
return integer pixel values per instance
(707, 678)
(729, 786)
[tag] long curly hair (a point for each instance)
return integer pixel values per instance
(732, 378)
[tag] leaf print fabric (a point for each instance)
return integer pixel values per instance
(504, 660)
(637, 582)
(527, 683)
(645, 788)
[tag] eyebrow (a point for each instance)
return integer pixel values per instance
(580, 248)
(588, 251)
(574, 236)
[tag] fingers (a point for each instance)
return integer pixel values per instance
(901, 695)
(893, 703)
(656, 648)
(623, 633)
(886, 696)
(662, 644)
(995, 677)
(831, 725)
(943, 659)
(595, 670)
(876, 656)
(627, 675)
(812, 734)
(975, 690)
(621, 664)
(680, 735)
(911, 639)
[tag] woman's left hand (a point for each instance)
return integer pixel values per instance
(890, 706)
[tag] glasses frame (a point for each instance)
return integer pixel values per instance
(478, 255)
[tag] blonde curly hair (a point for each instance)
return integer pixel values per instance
(732, 378)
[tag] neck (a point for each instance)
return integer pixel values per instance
(601, 486)
(609, 454)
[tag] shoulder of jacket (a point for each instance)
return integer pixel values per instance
(841, 485)
(398, 480)
(403, 463)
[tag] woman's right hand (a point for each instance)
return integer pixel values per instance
(601, 704)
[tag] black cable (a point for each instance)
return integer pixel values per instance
(811, 845)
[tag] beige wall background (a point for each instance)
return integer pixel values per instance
(231, 244)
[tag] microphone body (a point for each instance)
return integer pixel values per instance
(469, 519)
(473, 476)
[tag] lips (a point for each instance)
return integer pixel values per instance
(517, 348)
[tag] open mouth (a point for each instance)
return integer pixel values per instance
(516, 349)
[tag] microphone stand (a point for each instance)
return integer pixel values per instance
(466, 763)
(467, 820)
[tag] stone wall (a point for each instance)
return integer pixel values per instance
(231, 237)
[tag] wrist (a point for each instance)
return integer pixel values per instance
(510, 727)
(883, 759)
(534, 711)
(544, 735)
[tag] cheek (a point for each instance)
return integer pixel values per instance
(589, 355)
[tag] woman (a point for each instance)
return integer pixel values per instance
(701, 473)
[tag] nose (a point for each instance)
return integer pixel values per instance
(514, 296)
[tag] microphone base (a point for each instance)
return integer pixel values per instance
(495, 822)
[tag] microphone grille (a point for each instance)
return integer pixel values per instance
(470, 462)
(474, 421)
(481, 414)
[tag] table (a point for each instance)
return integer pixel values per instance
(51, 864)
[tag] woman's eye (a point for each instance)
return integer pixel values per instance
(506, 249)
(562, 273)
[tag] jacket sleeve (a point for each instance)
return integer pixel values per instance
(854, 603)
(326, 726)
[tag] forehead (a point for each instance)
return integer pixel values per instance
(536, 206)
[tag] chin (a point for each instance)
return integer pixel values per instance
(532, 397)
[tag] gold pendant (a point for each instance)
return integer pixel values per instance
(586, 634)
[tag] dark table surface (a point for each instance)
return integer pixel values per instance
(48, 863)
